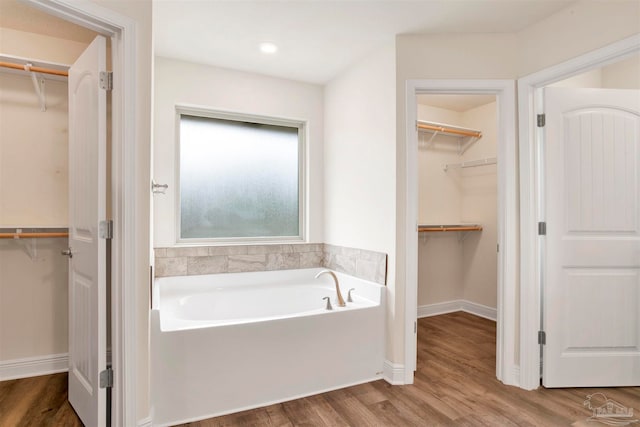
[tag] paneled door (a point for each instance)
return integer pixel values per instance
(591, 272)
(87, 261)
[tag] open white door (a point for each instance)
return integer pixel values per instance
(87, 207)
(592, 262)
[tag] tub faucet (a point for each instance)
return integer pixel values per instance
(335, 279)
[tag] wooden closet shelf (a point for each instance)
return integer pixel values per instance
(32, 232)
(465, 136)
(31, 235)
(443, 228)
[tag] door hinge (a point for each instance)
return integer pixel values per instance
(542, 228)
(106, 80)
(106, 378)
(541, 119)
(415, 327)
(106, 229)
(542, 337)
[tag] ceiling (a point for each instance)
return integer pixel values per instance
(459, 103)
(18, 16)
(318, 39)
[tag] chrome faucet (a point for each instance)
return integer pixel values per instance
(341, 302)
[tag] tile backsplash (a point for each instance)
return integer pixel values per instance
(183, 261)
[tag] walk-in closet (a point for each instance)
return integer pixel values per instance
(457, 254)
(35, 54)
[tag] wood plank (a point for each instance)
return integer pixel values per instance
(455, 385)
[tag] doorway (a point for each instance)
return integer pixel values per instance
(60, 146)
(532, 174)
(458, 205)
(503, 91)
(589, 164)
(129, 118)
(457, 217)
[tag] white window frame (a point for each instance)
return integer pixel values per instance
(300, 125)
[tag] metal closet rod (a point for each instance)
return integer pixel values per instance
(34, 69)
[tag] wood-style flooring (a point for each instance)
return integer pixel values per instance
(35, 402)
(454, 385)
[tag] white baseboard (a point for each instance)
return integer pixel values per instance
(33, 366)
(145, 422)
(393, 373)
(439, 308)
(457, 305)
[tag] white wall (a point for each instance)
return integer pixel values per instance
(439, 202)
(624, 74)
(439, 196)
(39, 46)
(184, 83)
(33, 192)
(582, 27)
(480, 205)
(359, 193)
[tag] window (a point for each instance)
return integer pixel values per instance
(241, 178)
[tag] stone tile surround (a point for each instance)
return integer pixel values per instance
(184, 261)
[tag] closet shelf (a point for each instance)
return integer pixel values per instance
(33, 233)
(466, 136)
(471, 163)
(27, 237)
(36, 70)
(448, 227)
(461, 230)
(20, 65)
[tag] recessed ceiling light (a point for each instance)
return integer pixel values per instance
(268, 47)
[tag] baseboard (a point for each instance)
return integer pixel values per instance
(145, 422)
(457, 305)
(516, 375)
(393, 373)
(439, 308)
(33, 366)
(480, 310)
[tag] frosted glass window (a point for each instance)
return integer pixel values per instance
(238, 180)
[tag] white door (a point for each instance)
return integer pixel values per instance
(87, 207)
(592, 262)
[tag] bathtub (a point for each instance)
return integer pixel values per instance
(224, 343)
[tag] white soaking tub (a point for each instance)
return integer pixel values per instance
(224, 343)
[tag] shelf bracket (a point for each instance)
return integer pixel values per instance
(462, 235)
(38, 85)
(30, 245)
(430, 142)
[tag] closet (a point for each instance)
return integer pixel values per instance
(34, 54)
(457, 257)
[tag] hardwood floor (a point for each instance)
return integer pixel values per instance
(36, 401)
(454, 385)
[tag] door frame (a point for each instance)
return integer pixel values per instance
(122, 31)
(504, 90)
(531, 196)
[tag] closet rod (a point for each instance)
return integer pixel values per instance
(31, 235)
(449, 130)
(442, 228)
(34, 69)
